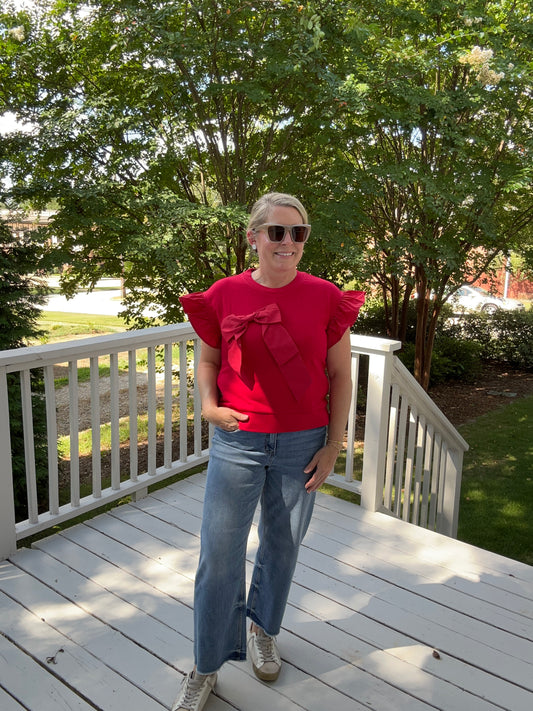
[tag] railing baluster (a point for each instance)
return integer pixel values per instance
(74, 433)
(435, 481)
(8, 539)
(167, 456)
(442, 486)
(95, 428)
(152, 413)
(452, 492)
(352, 418)
(183, 400)
(197, 404)
(29, 447)
(115, 425)
(391, 446)
(400, 456)
(51, 433)
(410, 462)
(132, 395)
(419, 464)
(426, 477)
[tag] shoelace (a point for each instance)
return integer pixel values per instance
(191, 694)
(266, 649)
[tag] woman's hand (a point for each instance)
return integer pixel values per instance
(208, 368)
(224, 417)
(321, 467)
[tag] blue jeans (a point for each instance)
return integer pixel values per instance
(245, 467)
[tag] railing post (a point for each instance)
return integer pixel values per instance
(376, 426)
(8, 539)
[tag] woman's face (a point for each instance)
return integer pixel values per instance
(279, 257)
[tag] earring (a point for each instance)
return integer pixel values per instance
(254, 247)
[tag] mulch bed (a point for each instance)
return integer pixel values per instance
(497, 385)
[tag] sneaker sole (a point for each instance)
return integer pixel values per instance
(265, 676)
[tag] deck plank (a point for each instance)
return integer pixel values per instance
(31, 685)
(373, 599)
(8, 703)
(74, 665)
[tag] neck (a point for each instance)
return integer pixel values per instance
(275, 281)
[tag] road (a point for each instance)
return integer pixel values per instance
(106, 299)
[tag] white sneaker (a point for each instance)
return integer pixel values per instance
(195, 688)
(264, 655)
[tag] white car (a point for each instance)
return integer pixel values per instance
(473, 298)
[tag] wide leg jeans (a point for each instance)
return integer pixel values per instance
(245, 468)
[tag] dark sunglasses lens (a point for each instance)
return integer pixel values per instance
(276, 233)
(299, 233)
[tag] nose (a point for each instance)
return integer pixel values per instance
(287, 239)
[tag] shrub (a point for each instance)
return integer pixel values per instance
(371, 320)
(453, 359)
(505, 336)
(20, 299)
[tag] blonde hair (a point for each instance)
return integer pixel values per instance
(260, 211)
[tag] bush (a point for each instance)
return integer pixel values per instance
(20, 299)
(371, 320)
(503, 337)
(453, 359)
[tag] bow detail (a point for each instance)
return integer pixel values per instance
(278, 341)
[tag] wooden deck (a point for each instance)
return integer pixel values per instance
(382, 615)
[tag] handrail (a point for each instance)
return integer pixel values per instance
(403, 439)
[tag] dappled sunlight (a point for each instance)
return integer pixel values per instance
(380, 611)
(417, 658)
(9, 572)
(452, 558)
(515, 509)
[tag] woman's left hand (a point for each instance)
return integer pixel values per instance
(321, 466)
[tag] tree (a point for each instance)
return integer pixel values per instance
(435, 122)
(158, 125)
(404, 125)
(21, 297)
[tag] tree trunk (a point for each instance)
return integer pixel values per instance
(426, 325)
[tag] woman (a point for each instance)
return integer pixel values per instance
(274, 379)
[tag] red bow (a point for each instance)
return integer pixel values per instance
(278, 341)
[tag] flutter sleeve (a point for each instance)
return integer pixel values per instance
(344, 315)
(202, 317)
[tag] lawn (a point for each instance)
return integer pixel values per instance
(59, 326)
(496, 511)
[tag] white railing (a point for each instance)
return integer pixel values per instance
(412, 456)
(138, 422)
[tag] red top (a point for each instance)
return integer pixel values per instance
(274, 345)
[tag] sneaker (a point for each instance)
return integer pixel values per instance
(264, 655)
(195, 688)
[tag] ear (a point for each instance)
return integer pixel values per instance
(250, 237)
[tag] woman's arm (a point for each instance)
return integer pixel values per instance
(340, 395)
(207, 375)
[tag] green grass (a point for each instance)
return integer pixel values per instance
(85, 436)
(61, 326)
(496, 511)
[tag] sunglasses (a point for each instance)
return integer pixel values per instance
(276, 233)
